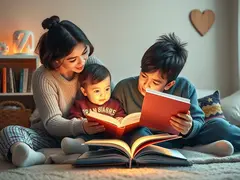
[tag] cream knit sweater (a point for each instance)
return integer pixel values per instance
(53, 96)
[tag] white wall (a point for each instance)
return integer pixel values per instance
(235, 53)
(121, 31)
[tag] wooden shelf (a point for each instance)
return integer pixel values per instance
(18, 56)
(16, 94)
(19, 61)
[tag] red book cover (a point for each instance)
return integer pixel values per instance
(158, 107)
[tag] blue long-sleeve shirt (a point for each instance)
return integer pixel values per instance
(126, 91)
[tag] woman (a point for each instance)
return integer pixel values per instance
(63, 50)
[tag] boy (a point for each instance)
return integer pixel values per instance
(95, 85)
(160, 67)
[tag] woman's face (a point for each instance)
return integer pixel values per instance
(74, 62)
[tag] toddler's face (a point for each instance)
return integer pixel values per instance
(98, 93)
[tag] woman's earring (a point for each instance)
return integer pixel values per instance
(56, 64)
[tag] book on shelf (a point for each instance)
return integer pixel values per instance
(29, 84)
(25, 80)
(157, 110)
(11, 83)
(12, 80)
(4, 80)
(141, 153)
(21, 75)
(1, 80)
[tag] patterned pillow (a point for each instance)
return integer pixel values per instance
(211, 106)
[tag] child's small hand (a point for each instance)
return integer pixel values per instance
(119, 118)
(182, 123)
(92, 127)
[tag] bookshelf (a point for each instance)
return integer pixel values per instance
(17, 63)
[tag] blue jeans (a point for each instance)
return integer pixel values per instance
(212, 130)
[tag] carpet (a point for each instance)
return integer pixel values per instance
(204, 167)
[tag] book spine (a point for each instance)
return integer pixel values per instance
(1, 78)
(21, 81)
(130, 162)
(25, 79)
(29, 85)
(4, 80)
(14, 82)
(119, 132)
(8, 80)
(11, 80)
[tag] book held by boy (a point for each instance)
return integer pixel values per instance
(141, 153)
(156, 113)
(159, 107)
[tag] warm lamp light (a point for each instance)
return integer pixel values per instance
(23, 42)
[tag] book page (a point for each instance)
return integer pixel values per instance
(102, 157)
(153, 149)
(148, 143)
(116, 143)
(178, 98)
(102, 117)
(131, 119)
(152, 139)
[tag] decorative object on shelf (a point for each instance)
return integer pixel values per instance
(3, 48)
(23, 42)
(202, 22)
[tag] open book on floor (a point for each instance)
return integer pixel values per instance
(157, 109)
(142, 153)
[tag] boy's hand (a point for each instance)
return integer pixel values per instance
(182, 122)
(92, 127)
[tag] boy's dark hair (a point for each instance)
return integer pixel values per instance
(93, 74)
(168, 55)
(59, 41)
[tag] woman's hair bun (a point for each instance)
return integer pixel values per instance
(50, 22)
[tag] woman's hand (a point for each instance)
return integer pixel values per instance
(92, 127)
(182, 122)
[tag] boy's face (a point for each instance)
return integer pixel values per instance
(153, 80)
(98, 93)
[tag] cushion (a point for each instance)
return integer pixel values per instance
(211, 106)
(231, 108)
(204, 92)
